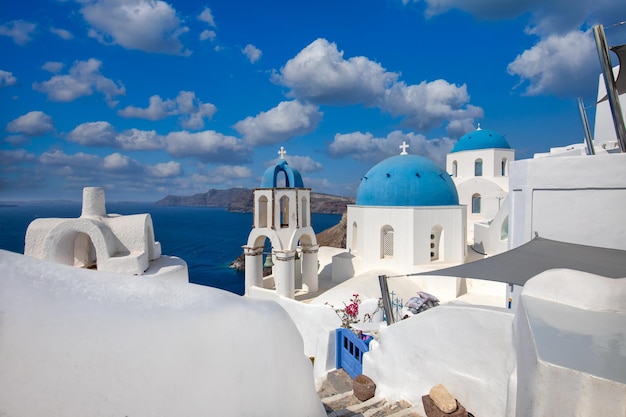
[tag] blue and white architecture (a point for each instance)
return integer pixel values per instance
(407, 213)
(479, 166)
(282, 214)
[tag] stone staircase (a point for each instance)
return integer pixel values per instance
(339, 401)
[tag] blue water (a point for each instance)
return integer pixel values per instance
(208, 239)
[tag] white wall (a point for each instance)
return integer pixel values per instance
(468, 349)
(412, 228)
(83, 343)
(571, 329)
(488, 236)
(577, 199)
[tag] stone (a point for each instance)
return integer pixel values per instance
(443, 399)
(363, 387)
(431, 409)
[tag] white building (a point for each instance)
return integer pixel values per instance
(282, 214)
(407, 213)
(479, 165)
(101, 241)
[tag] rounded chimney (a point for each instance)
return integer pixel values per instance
(93, 202)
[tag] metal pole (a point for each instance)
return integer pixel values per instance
(384, 290)
(583, 119)
(611, 88)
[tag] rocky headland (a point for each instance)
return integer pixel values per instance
(241, 200)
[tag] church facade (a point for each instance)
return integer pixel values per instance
(407, 213)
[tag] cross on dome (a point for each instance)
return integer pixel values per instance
(478, 128)
(282, 152)
(403, 147)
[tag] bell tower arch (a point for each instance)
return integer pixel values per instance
(282, 213)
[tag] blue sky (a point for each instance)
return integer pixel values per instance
(150, 98)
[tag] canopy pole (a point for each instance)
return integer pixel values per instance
(611, 88)
(384, 290)
(585, 122)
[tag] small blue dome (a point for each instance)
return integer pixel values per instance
(480, 139)
(407, 180)
(293, 179)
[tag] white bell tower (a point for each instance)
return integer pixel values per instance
(282, 214)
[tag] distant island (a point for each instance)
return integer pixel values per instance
(241, 200)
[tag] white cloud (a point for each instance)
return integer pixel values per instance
(53, 67)
(93, 134)
(191, 110)
(365, 147)
(232, 171)
(303, 164)
(145, 25)
(486, 9)
(288, 119)
(7, 79)
(428, 104)
(207, 34)
(81, 161)
(554, 64)
(558, 65)
(207, 16)
(320, 74)
(252, 52)
(34, 123)
(115, 169)
(62, 33)
(166, 169)
(207, 146)
(140, 140)
(9, 157)
(118, 162)
(104, 134)
(20, 31)
(83, 79)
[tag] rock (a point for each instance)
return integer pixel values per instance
(334, 236)
(239, 263)
(363, 387)
(431, 409)
(443, 399)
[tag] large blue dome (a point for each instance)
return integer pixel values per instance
(293, 179)
(480, 139)
(407, 180)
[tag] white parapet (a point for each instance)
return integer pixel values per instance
(571, 336)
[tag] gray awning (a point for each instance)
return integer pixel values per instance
(518, 265)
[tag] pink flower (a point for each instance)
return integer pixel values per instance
(352, 309)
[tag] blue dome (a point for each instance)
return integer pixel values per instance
(480, 139)
(407, 180)
(293, 179)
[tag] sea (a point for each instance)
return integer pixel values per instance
(208, 239)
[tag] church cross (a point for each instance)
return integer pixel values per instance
(282, 152)
(403, 147)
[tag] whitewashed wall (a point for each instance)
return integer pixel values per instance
(576, 199)
(83, 343)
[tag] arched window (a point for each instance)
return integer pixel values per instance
(504, 167)
(386, 247)
(304, 222)
(478, 168)
(476, 203)
(284, 211)
(262, 215)
(454, 169)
